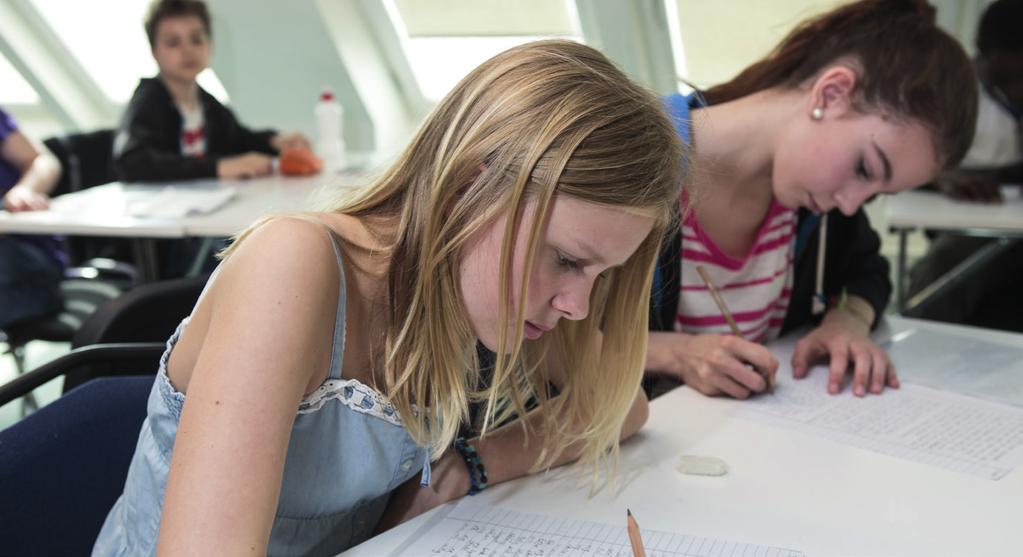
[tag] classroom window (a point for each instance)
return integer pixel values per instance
(108, 41)
(15, 89)
(713, 41)
(445, 39)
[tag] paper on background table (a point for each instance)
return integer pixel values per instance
(988, 370)
(914, 422)
(180, 202)
(470, 529)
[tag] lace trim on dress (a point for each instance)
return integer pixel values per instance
(353, 394)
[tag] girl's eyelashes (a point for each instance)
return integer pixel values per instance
(566, 262)
(861, 170)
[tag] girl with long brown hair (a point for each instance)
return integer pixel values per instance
(334, 355)
(869, 98)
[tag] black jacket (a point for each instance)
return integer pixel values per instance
(148, 142)
(852, 261)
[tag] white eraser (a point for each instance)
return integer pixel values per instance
(701, 465)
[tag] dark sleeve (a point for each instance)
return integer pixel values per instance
(147, 148)
(853, 262)
(863, 271)
(230, 137)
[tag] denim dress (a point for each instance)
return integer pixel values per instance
(348, 450)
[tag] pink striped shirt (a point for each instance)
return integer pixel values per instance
(756, 288)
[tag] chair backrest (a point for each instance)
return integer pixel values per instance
(146, 313)
(63, 467)
(87, 159)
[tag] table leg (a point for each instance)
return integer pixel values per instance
(972, 264)
(145, 255)
(900, 271)
(200, 258)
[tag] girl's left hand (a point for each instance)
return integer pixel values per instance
(449, 481)
(845, 339)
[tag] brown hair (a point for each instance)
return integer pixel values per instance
(907, 65)
(160, 10)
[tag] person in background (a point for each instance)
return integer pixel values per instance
(989, 296)
(871, 97)
(31, 267)
(172, 129)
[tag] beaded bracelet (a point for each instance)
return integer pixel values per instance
(477, 473)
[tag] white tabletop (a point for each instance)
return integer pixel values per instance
(784, 488)
(104, 210)
(929, 209)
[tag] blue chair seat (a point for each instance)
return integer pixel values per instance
(63, 467)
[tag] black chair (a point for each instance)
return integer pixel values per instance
(81, 298)
(147, 313)
(87, 160)
(63, 467)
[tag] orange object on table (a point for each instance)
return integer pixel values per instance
(299, 162)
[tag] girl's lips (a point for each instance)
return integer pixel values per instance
(533, 332)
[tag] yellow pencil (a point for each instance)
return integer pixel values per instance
(728, 315)
(634, 539)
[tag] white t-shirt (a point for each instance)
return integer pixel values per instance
(193, 132)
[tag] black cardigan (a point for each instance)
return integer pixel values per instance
(148, 142)
(852, 261)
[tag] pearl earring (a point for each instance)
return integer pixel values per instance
(817, 113)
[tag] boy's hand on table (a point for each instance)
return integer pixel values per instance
(970, 186)
(294, 140)
(248, 165)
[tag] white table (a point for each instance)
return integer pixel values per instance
(784, 488)
(931, 210)
(104, 210)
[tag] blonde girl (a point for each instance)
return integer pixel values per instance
(334, 355)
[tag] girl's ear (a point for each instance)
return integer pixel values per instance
(832, 92)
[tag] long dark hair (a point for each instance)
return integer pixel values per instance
(909, 67)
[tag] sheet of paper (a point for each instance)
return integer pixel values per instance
(172, 202)
(473, 529)
(915, 422)
(988, 370)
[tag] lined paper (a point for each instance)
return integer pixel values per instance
(471, 529)
(915, 422)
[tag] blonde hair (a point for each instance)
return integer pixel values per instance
(542, 119)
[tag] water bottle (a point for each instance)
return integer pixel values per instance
(329, 145)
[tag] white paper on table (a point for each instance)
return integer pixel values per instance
(915, 422)
(173, 202)
(984, 369)
(470, 528)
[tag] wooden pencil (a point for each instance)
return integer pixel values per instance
(634, 537)
(727, 315)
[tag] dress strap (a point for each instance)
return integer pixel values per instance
(338, 349)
